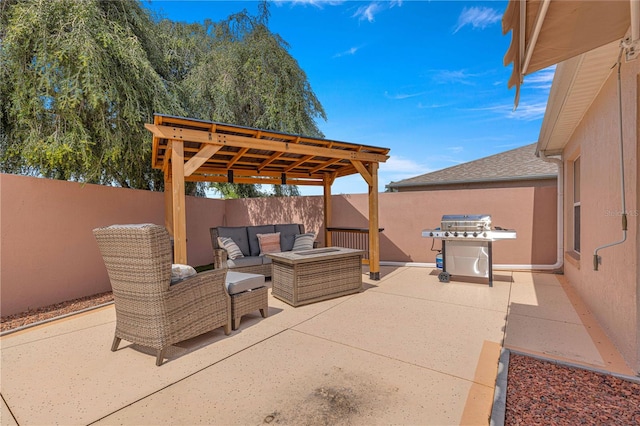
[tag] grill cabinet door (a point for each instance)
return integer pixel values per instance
(468, 258)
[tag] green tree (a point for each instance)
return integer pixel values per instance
(80, 78)
(79, 81)
(247, 77)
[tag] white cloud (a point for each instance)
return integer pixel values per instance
(541, 79)
(348, 52)
(397, 164)
(317, 3)
(454, 76)
(526, 111)
(455, 149)
(400, 96)
(369, 11)
(432, 106)
(398, 168)
(477, 17)
(529, 111)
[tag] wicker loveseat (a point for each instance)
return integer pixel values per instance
(246, 238)
(151, 310)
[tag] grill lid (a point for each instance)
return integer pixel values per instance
(466, 222)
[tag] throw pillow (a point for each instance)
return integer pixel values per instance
(179, 272)
(269, 243)
(304, 242)
(233, 251)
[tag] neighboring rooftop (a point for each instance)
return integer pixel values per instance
(504, 169)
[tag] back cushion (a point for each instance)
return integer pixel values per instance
(239, 236)
(288, 234)
(252, 232)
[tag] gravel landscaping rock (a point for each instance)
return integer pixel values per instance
(32, 316)
(546, 393)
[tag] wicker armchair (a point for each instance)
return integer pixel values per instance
(149, 311)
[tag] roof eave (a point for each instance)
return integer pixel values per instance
(469, 181)
(576, 84)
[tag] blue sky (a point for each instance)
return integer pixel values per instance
(423, 78)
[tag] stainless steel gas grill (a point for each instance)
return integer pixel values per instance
(467, 245)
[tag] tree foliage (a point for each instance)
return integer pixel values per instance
(80, 78)
(248, 77)
(80, 82)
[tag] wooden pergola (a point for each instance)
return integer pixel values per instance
(190, 150)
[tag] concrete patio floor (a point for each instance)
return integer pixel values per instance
(407, 350)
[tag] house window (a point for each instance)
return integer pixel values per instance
(576, 205)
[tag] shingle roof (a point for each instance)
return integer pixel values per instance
(514, 165)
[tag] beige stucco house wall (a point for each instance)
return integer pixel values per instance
(593, 105)
(612, 292)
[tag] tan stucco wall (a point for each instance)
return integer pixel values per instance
(265, 211)
(612, 293)
(48, 253)
(530, 211)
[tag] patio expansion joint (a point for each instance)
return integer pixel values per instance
(549, 319)
(13, 416)
(506, 317)
(443, 302)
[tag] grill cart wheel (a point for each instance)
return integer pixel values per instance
(444, 277)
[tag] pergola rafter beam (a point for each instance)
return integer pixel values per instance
(254, 180)
(237, 157)
(241, 172)
(325, 164)
(269, 160)
(298, 163)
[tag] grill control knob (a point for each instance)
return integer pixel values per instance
(485, 235)
(465, 233)
(431, 234)
(446, 234)
(455, 234)
(475, 234)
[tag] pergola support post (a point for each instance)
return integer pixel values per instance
(327, 182)
(179, 201)
(374, 236)
(168, 200)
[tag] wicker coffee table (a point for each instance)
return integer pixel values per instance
(302, 277)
